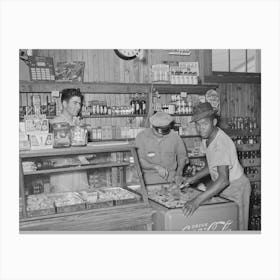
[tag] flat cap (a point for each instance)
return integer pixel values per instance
(160, 119)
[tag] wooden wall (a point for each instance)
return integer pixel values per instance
(240, 100)
(103, 65)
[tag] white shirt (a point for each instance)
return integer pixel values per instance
(222, 151)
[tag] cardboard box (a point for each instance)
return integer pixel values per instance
(41, 140)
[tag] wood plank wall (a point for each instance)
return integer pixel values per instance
(242, 100)
(103, 65)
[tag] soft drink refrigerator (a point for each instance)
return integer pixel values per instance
(216, 214)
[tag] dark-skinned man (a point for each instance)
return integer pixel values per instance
(228, 178)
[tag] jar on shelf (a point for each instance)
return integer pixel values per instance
(62, 137)
(79, 135)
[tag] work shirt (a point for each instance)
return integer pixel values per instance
(71, 181)
(222, 151)
(165, 151)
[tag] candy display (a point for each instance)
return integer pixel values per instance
(171, 197)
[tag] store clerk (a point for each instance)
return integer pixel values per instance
(228, 178)
(71, 100)
(161, 151)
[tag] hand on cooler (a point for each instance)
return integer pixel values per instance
(190, 207)
(163, 172)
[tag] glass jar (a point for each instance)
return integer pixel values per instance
(62, 138)
(79, 135)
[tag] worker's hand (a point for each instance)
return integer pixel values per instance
(190, 207)
(187, 181)
(178, 180)
(163, 172)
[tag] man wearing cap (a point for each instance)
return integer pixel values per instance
(161, 151)
(227, 174)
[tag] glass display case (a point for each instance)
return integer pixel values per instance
(81, 189)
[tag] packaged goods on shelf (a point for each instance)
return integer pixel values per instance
(36, 123)
(24, 143)
(40, 140)
(160, 73)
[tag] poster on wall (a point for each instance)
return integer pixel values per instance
(70, 71)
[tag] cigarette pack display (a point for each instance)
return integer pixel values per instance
(216, 214)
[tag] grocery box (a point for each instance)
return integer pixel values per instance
(120, 196)
(95, 200)
(39, 205)
(40, 140)
(68, 202)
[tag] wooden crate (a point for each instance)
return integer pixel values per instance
(250, 162)
(248, 147)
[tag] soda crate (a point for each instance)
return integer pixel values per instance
(248, 147)
(250, 162)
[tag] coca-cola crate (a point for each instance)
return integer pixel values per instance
(250, 162)
(253, 177)
(248, 147)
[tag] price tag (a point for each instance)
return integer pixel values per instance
(184, 94)
(55, 93)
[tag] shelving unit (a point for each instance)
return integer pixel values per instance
(255, 214)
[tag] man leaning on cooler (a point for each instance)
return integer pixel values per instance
(222, 164)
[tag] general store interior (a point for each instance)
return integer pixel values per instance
(155, 80)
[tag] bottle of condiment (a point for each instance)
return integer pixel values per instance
(133, 106)
(137, 106)
(143, 105)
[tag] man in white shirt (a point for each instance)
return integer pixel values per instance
(227, 174)
(71, 100)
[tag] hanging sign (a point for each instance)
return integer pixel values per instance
(181, 52)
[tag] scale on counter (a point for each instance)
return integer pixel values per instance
(41, 68)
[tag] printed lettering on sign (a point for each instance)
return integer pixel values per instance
(215, 226)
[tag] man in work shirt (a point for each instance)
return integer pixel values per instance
(227, 174)
(161, 151)
(71, 100)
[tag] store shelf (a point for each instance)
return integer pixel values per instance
(87, 88)
(76, 168)
(114, 116)
(91, 148)
(190, 89)
(181, 115)
(230, 132)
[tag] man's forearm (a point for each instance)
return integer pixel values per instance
(181, 165)
(214, 188)
(202, 173)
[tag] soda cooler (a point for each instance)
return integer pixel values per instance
(216, 214)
